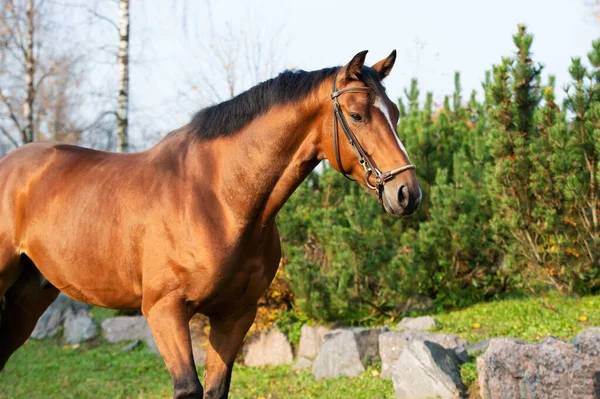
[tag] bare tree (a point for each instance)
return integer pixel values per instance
(232, 62)
(123, 63)
(35, 78)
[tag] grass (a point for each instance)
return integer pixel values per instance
(529, 319)
(46, 369)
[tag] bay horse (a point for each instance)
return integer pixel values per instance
(189, 225)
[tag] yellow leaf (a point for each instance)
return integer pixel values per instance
(582, 318)
(570, 221)
(476, 325)
(572, 252)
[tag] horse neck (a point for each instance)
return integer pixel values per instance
(260, 166)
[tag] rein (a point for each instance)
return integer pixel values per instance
(363, 158)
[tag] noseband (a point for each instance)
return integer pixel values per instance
(363, 158)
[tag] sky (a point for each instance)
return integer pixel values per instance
(172, 61)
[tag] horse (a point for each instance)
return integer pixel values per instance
(188, 226)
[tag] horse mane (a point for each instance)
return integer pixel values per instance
(232, 115)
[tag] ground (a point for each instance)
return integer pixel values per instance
(46, 369)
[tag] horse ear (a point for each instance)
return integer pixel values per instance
(355, 65)
(384, 67)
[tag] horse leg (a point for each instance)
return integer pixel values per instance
(225, 339)
(168, 319)
(24, 303)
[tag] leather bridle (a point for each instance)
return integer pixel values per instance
(363, 158)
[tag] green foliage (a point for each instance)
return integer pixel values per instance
(511, 191)
(543, 182)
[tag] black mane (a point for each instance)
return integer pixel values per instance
(232, 115)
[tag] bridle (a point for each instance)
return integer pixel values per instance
(363, 158)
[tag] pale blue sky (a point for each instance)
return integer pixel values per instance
(433, 39)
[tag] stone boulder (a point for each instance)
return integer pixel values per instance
(268, 349)
(54, 317)
(79, 326)
(125, 328)
(478, 348)
(417, 323)
(346, 352)
(427, 370)
(551, 369)
(391, 345)
(311, 339)
(128, 328)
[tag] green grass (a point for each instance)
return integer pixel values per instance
(529, 319)
(99, 370)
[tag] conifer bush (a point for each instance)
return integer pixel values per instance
(511, 201)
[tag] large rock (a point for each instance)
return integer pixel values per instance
(199, 335)
(427, 370)
(417, 323)
(54, 317)
(129, 328)
(79, 326)
(391, 345)
(268, 349)
(125, 328)
(311, 339)
(346, 352)
(551, 369)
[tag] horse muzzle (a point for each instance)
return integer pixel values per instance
(401, 198)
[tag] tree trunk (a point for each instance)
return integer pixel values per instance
(123, 62)
(27, 133)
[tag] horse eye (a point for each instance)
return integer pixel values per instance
(356, 117)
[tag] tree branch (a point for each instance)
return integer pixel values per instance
(9, 137)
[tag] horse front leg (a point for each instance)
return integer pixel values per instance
(225, 340)
(168, 318)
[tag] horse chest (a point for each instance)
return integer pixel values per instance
(242, 277)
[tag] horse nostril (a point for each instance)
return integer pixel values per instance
(403, 196)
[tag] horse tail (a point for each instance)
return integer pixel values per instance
(2, 308)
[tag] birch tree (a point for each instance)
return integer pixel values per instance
(123, 63)
(36, 78)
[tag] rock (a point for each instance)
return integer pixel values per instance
(129, 328)
(339, 356)
(302, 363)
(551, 369)
(346, 352)
(79, 326)
(391, 345)
(199, 338)
(272, 348)
(130, 346)
(311, 339)
(427, 370)
(478, 348)
(588, 341)
(125, 328)
(54, 317)
(417, 323)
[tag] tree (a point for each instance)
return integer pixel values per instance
(36, 77)
(123, 64)
(233, 61)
